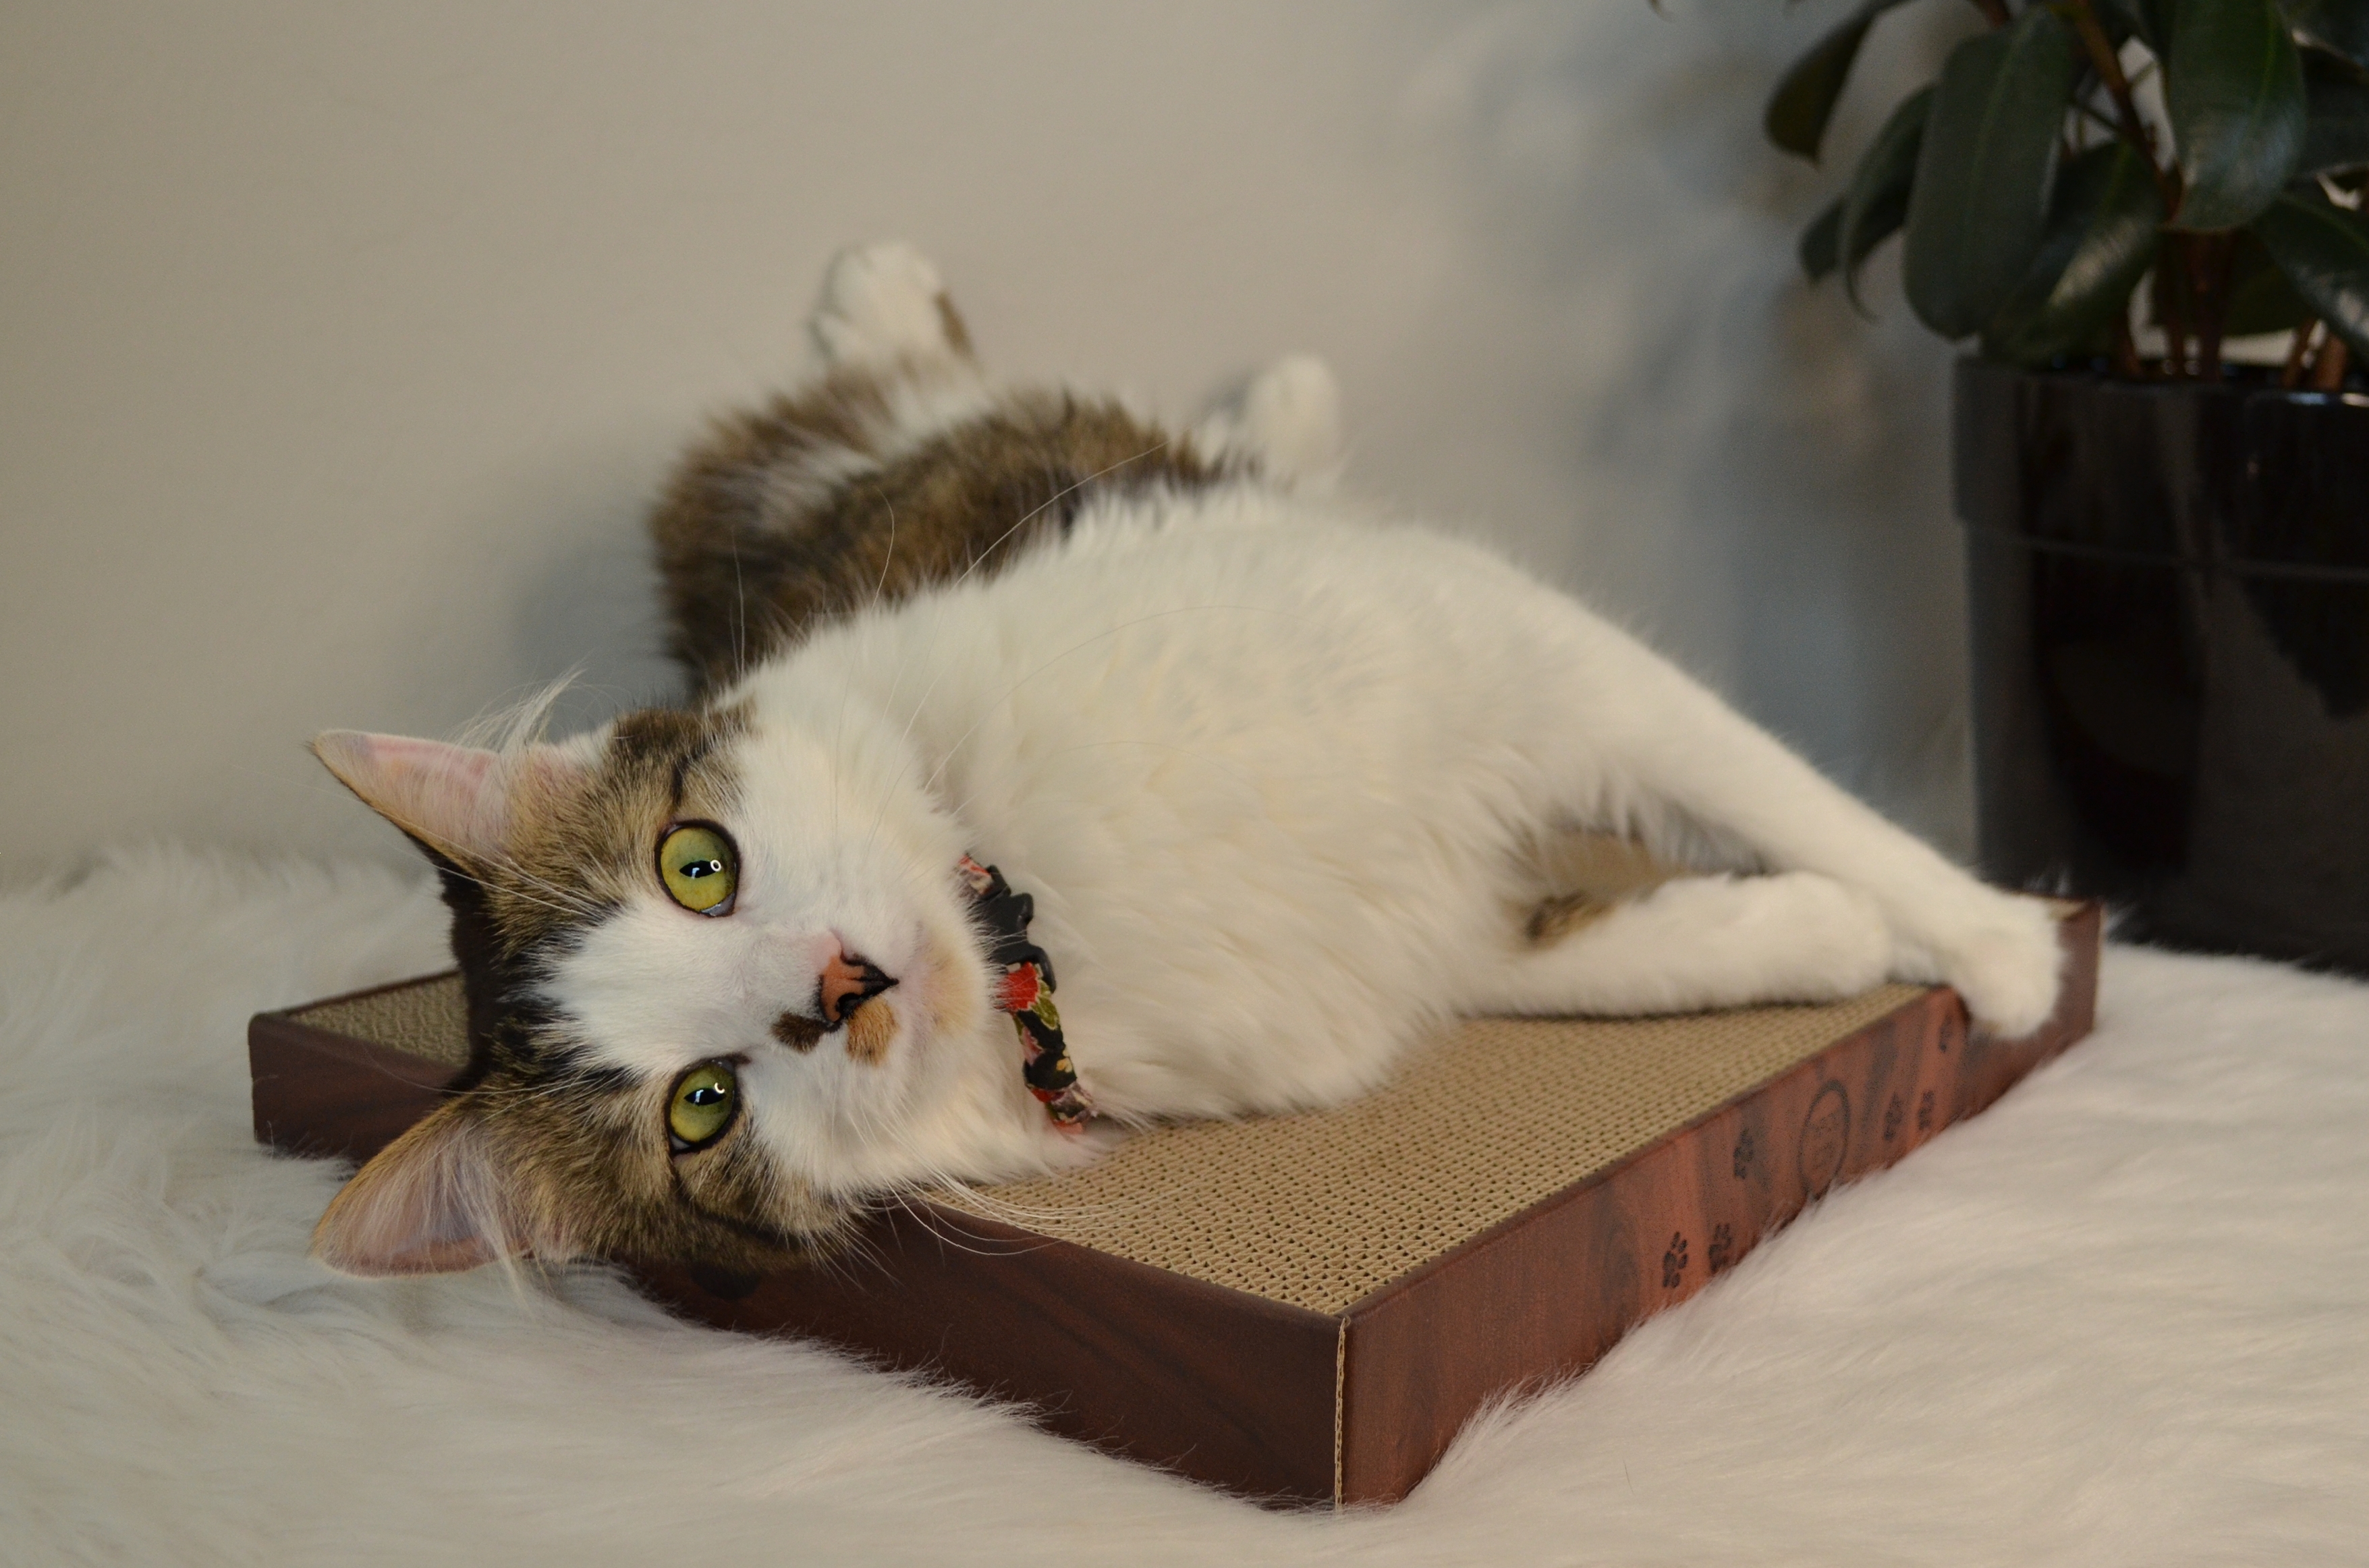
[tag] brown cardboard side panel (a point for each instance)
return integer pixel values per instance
(321, 1095)
(1238, 1392)
(1217, 1385)
(1546, 1294)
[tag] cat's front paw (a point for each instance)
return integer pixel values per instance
(884, 301)
(2003, 955)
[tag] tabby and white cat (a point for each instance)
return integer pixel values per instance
(1276, 774)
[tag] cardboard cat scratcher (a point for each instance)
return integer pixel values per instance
(1305, 1309)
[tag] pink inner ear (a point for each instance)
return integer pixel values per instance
(434, 1201)
(453, 798)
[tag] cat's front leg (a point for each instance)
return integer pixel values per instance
(1672, 747)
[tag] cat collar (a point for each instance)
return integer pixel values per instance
(1023, 987)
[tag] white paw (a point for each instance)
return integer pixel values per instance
(1286, 421)
(2003, 957)
(884, 301)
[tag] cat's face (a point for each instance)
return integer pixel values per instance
(717, 973)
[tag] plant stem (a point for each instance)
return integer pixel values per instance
(2210, 259)
(2171, 303)
(2089, 113)
(2292, 377)
(2109, 66)
(2327, 371)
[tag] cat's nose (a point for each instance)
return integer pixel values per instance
(848, 980)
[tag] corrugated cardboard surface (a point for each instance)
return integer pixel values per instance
(1317, 1210)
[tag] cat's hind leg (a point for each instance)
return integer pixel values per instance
(1284, 423)
(1702, 942)
(1661, 747)
(882, 304)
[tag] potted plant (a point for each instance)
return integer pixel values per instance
(2167, 554)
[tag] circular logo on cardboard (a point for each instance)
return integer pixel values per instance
(1826, 1137)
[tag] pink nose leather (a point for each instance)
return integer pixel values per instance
(846, 981)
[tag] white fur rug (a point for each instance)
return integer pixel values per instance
(2122, 1317)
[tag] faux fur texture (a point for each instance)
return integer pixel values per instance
(2119, 1319)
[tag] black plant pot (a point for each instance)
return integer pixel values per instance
(2170, 601)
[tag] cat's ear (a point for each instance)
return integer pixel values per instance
(454, 800)
(436, 1200)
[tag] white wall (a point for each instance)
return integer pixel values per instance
(342, 346)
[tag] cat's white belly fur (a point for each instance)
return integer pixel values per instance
(1266, 768)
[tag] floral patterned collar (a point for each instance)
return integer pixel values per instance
(1023, 987)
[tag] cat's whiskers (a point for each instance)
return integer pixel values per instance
(979, 560)
(922, 1214)
(505, 1096)
(568, 900)
(911, 1195)
(458, 860)
(850, 1244)
(830, 1253)
(887, 553)
(995, 1208)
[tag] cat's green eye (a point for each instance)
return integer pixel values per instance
(700, 868)
(704, 1100)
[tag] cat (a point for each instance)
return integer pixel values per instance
(1047, 775)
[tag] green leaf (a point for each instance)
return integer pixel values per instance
(2336, 134)
(2101, 240)
(2234, 94)
(1821, 247)
(2324, 251)
(1877, 203)
(1981, 199)
(1804, 100)
(2340, 26)
(2151, 19)
(2260, 299)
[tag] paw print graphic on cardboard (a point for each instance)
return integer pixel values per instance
(1674, 1261)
